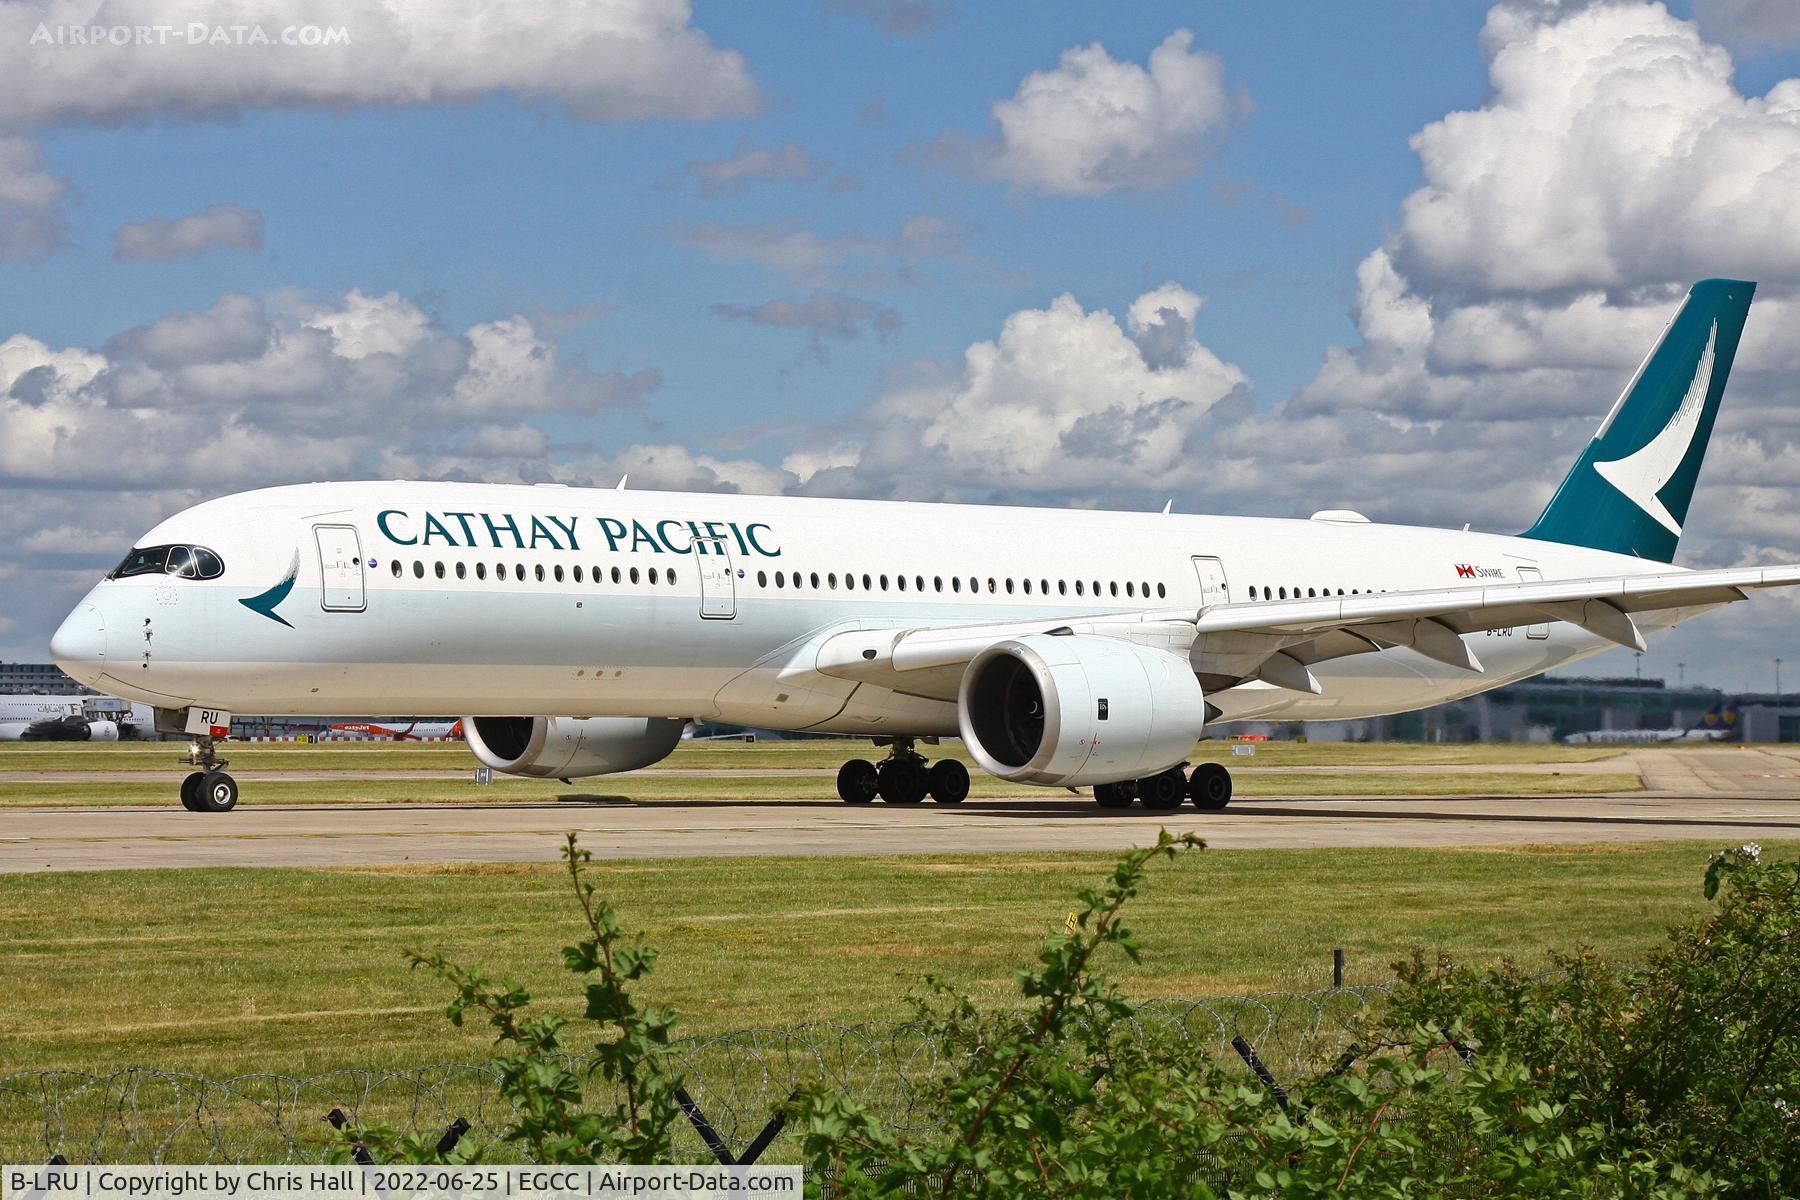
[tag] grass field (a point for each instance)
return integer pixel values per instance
(127, 773)
(299, 971)
(808, 754)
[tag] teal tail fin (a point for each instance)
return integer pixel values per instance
(1630, 489)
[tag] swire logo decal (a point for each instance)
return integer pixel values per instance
(1469, 571)
(265, 602)
(1465, 571)
(503, 531)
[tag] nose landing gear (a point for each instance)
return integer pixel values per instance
(209, 789)
(903, 777)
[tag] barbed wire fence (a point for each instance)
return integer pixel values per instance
(738, 1080)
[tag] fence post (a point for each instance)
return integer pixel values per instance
(708, 1134)
(1337, 968)
(1247, 1052)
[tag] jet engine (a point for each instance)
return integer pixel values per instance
(1070, 710)
(565, 747)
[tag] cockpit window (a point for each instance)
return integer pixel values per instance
(183, 562)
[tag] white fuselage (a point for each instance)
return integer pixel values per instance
(387, 599)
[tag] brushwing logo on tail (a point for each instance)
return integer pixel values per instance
(1641, 475)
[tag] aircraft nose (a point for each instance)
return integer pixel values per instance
(79, 644)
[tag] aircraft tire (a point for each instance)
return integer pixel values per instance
(1210, 787)
(217, 793)
(1164, 791)
(857, 781)
(901, 781)
(190, 791)
(1114, 795)
(948, 781)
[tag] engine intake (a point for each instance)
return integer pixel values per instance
(567, 747)
(1067, 711)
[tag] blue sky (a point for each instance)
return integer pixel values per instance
(750, 247)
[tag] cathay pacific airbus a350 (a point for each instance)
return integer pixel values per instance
(579, 629)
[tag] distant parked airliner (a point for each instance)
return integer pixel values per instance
(579, 629)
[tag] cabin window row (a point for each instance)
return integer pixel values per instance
(829, 581)
(1311, 593)
(957, 584)
(553, 574)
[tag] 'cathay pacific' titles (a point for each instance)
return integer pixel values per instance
(502, 531)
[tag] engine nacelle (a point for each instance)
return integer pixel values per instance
(565, 747)
(1066, 711)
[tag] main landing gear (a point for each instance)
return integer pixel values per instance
(903, 777)
(1209, 787)
(209, 789)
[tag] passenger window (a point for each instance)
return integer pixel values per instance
(1062, 587)
(481, 570)
(396, 566)
(899, 582)
(919, 582)
(1027, 585)
(937, 583)
(438, 569)
(866, 586)
(991, 588)
(1161, 591)
(814, 579)
(956, 583)
(778, 582)
(462, 572)
(519, 572)
(615, 575)
(418, 569)
(652, 574)
(762, 579)
(1130, 589)
(831, 579)
(1078, 590)
(634, 574)
(1114, 586)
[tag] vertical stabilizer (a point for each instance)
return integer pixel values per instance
(1629, 491)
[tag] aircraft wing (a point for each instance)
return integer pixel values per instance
(1277, 641)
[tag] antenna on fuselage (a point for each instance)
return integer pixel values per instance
(622, 480)
(1168, 505)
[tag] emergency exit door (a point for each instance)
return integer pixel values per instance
(340, 568)
(1213, 587)
(1536, 633)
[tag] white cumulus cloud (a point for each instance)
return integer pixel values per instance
(1095, 124)
(606, 60)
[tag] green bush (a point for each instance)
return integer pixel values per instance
(1672, 1079)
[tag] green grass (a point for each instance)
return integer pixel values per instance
(300, 971)
(815, 754)
(649, 787)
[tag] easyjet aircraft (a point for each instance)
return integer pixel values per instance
(579, 629)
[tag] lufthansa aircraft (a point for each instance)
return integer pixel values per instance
(579, 629)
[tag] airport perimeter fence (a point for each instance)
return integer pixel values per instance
(736, 1082)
